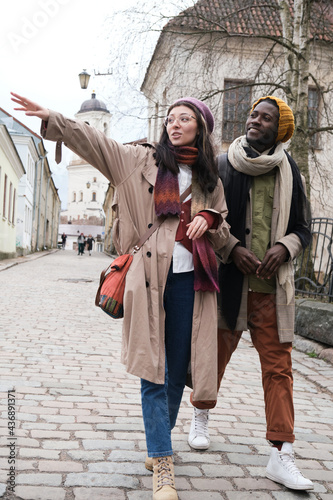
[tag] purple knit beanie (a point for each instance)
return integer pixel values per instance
(202, 107)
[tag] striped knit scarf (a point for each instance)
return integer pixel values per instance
(166, 193)
(166, 197)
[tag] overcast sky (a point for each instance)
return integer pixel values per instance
(45, 44)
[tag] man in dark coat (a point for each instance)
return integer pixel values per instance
(267, 206)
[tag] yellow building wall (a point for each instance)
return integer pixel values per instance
(7, 229)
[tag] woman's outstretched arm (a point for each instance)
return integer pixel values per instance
(115, 160)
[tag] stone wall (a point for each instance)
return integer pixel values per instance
(314, 321)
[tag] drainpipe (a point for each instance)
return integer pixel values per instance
(45, 218)
(41, 158)
(55, 227)
(33, 247)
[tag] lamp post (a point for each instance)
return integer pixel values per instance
(84, 79)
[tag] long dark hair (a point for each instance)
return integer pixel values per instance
(205, 165)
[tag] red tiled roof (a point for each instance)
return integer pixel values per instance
(251, 17)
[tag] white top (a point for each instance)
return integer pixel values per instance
(182, 258)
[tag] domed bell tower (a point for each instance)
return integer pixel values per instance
(95, 112)
(86, 185)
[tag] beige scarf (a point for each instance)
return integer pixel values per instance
(261, 165)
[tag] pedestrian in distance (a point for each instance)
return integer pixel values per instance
(170, 301)
(63, 239)
(81, 241)
(89, 242)
(268, 210)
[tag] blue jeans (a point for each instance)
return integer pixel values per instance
(160, 402)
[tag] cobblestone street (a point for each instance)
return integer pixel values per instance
(71, 423)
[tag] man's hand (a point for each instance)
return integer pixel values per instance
(245, 260)
(273, 259)
(30, 108)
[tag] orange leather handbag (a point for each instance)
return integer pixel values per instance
(110, 293)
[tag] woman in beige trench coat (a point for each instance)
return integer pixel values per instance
(170, 317)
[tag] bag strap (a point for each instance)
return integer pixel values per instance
(158, 222)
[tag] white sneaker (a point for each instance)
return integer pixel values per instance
(282, 469)
(198, 437)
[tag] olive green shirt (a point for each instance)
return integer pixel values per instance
(262, 207)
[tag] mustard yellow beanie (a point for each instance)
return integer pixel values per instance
(286, 120)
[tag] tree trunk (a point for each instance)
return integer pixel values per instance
(296, 33)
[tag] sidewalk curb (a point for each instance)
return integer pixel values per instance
(8, 263)
(313, 348)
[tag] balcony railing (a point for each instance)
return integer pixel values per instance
(314, 267)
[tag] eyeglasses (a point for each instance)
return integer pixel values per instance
(183, 119)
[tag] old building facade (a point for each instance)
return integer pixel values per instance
(35, 199)
(228, 54)
(11, 170)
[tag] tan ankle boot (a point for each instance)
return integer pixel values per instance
(149, 463)
(164, 479)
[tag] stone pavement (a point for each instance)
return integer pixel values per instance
(71, 425)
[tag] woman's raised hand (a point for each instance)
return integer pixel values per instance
(30, 108)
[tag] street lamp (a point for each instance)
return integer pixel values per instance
(84, 79)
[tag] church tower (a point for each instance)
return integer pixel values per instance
(86, 185)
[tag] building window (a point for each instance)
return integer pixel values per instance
(4, 197)
(14, 203)
(81, 196)
(10, 202)
(93, 196)
(313, 115)
(95, 179)
(74, 196)
(236, 107)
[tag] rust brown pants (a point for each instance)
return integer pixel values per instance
(276, 365)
